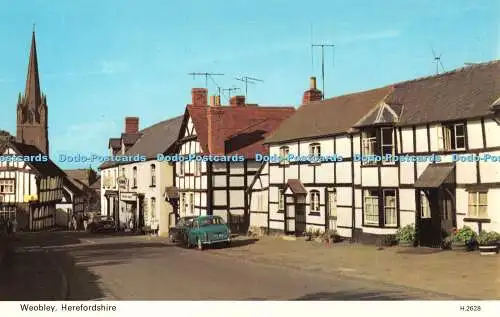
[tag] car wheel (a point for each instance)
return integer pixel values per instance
(227, 244)
(199, 244)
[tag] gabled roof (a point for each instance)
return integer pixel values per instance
(155, 139)
(130, 138)
(328, 117)
(463, 93)
(240, 130)
(296, 187)
(115, 143)
(97, 184)
(48, 168)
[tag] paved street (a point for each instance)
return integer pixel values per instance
(135, 267)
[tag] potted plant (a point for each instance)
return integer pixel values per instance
(330, 236)
(308, 234)
(317, 235)
(406, 235)
(464, 239)
(488, 242)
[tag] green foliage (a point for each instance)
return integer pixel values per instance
(406, 234)
(488, 237)
(317, 232)
(464, 235)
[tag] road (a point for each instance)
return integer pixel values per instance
(100, 267)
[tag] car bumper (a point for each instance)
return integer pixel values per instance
(210, 242)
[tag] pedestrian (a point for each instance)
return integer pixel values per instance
(74, 224)
(9, 227)
(85, 223)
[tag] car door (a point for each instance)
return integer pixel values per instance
(193, 231)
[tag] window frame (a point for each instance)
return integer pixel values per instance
(314, 201)
(385, 208)
(374, 203)
(134, 177)
(477, 205)
(153, 207)
(197, 168)
(425, 206)
(448, 137)
(191, 203)
(7, 183)
(284, 153)
(383, 145)
(152, 171)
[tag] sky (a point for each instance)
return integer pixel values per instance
(103, 60)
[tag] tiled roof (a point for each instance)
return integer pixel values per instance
(328, 117)
(130, 138)
(48, 168)
(115, 143)
(155, 139)
(296, 186)
(239, 130)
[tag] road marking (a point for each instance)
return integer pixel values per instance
(88, 241)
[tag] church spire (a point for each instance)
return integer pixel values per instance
(32, 93)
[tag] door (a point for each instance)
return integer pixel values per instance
(430, 218)
(332, 210)
(289, 214)
(300, 214)
(447, 211)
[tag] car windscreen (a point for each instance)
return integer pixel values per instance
(212, 221)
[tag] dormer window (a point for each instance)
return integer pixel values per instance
(377, 142)
(284, 152)
(452, 136)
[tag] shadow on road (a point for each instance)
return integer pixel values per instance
(357, 295)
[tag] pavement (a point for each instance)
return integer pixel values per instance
(82, 266)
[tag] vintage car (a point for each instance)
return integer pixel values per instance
(102, 224)
(179, 232)
(208, 230)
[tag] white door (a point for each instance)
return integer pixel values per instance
(332, 210)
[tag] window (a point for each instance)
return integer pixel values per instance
(281, 201)
(425, 209)
(315, 152)
(369, 144)
(390, 210)
(284, 153)
(153, 207)
(478, 205)
(134, 177)
(197, 167)
(114, 177)
(191, 203)
(387, 137)
(183, 203)
(371, 207)
(452, 137)
(181, 168)
(123, 171)
(153, 175)
(332, 204)
(314, 200)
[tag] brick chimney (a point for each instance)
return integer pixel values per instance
(313, 94)
(131, 124)
(215, 124)
(237, 101)
(199, 96)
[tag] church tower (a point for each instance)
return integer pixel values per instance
(32, 116)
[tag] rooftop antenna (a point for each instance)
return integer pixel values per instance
(206, 75)
(229, 90)
(323, 46)
(248, 80)
(437, 60)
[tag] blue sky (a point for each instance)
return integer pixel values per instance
(102, 60)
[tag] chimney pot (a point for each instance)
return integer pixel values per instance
(312, 82)
(217, 100)
(237, 101)
(131, 124)
(199, 96)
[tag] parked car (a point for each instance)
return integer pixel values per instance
(208, 230)
(179, 232)
(102, 224)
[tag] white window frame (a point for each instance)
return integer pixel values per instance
(7, 186)
(284, 152)
(152, 169)
(474, 206)
(315, 152)
(153, 207)
(197, 168)
(281, 200)
(388, 210)
(314, 198)
(191, 203)
(385, 145)
(456, 137)
(370, 208)
(134, 176)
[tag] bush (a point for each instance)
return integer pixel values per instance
(406, 234)
(486, 238)
(464, 235)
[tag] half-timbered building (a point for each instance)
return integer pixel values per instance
(217, 149)
(442, 130)
(308, 193)
(30, 186)
(449, 124)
